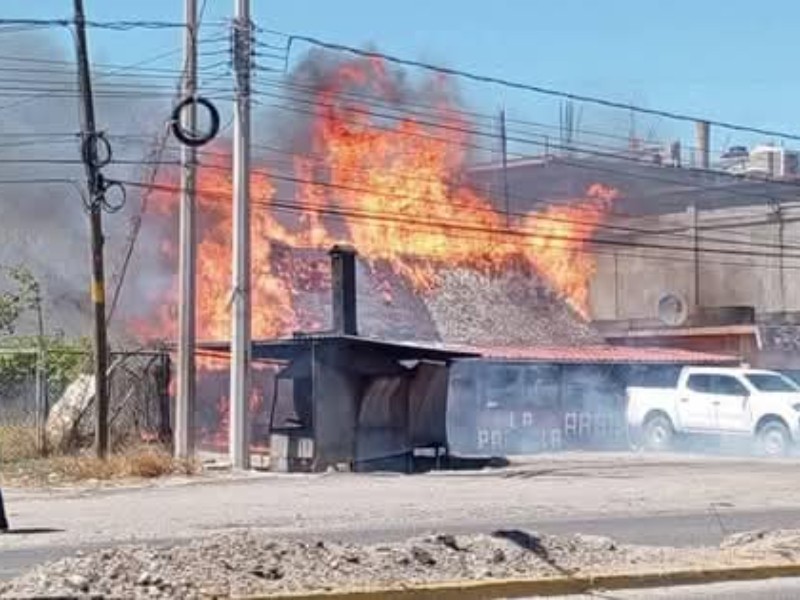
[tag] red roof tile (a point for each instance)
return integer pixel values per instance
(602, 354)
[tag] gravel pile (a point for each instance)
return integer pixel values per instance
(245, 563)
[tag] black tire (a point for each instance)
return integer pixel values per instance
(773, 439)
(192, 139)
(658, 434)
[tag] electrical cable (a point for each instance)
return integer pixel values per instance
(463, 74)
(160, 147)
(608, 156)
(451, 225)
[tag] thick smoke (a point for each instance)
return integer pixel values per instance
(390, 95)
(44, 225)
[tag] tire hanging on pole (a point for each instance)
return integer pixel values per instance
(190, 138)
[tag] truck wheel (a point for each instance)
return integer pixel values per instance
(773, 439)
(658, 434)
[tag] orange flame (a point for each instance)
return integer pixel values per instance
(390, 186)
(394, 189)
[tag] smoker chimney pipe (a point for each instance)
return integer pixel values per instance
(702, 130)
(343, 284)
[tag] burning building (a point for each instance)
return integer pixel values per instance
(363, 163)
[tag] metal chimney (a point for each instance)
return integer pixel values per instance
(343, 284)
(702, 130)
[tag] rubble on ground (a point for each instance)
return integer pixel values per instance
(249, 563)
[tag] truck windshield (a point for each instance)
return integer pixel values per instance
(771, 383)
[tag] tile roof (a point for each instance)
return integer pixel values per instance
(585, 354)
(603, 354)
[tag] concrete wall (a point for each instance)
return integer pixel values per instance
(631, 277)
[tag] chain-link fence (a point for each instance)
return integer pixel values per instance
(18, 387)
(47, 398)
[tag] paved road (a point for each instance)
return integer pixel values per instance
(676, 500)
(770, 589)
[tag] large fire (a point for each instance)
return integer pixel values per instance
(394, 188)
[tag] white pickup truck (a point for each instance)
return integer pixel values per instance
(761, 407)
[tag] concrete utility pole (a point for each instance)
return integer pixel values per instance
(240, 302)
(89, 145)
(187, 259)
(504, 150)
(703, 134)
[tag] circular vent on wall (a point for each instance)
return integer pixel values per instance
(673, 309)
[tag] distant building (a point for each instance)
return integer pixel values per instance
(773, 161)
(762, 161)
(725, 247)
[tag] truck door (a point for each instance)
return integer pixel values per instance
(731, 404)
(696, 403)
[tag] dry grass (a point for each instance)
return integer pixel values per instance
(143, 463)
(146, 462)
(17, 442)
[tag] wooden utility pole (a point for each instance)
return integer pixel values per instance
(187, 259)
(240, 302)
(89, 145)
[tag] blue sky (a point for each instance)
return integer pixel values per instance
(726, 60)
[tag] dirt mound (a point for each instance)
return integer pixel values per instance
(248, 563)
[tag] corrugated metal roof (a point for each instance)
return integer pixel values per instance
(603, 354)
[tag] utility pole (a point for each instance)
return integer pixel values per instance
(187, 259)
(695, 216)
(504, 148)
(89, 145)
(240, 302)
(42, 402)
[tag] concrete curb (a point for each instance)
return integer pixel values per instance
(517, 588)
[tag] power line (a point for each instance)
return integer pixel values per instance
(536, 88)
(573, 148)
(362, 190)
(157, 154)
(473, 131)
(651, 176)
(290, 206)
(431, 110)
(451, 225)
(114, 25)
(494, 212)
(116, 69)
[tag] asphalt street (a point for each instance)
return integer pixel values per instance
(661, 500)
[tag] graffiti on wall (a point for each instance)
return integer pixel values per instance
(548, 431)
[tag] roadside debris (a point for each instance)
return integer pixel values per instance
(248, 563)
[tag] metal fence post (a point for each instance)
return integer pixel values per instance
(42, 407)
